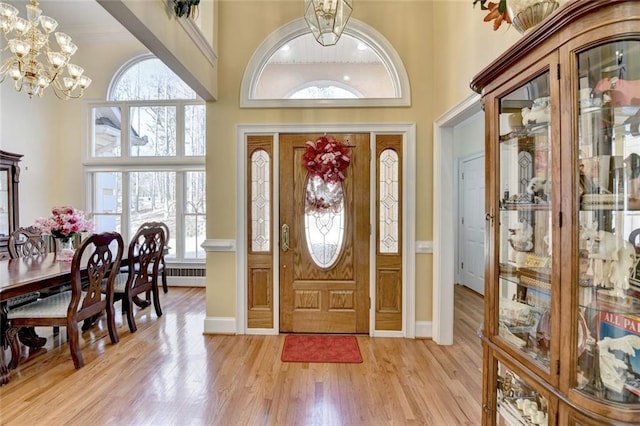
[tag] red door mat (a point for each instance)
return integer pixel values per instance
(314, 348)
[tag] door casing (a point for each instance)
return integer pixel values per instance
(409, 243)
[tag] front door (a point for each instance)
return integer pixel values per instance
(324, 253)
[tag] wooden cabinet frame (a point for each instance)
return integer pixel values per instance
(9, 162)
(553, 47)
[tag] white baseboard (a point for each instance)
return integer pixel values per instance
(187, 281)
(219, 325)
(262, 331)
(424, 329)
(387, 333)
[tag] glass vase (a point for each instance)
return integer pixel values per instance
(64, 249)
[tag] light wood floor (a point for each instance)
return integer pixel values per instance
(169, 373)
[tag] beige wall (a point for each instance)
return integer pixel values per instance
(442, 44)
(52, 134)
(464, 45)
(402, 23)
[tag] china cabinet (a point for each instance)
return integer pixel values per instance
(561, 336)
(9, 213)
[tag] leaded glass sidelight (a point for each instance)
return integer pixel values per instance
(324, 220)
(260, 201)
(389, 201)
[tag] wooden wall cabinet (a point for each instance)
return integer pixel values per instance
(9, 211)
(561, 333)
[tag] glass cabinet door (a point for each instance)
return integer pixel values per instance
(525, 227)
(4, 202)
(608, 338)
(517, 402)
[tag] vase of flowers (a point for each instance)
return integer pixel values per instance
(64, 224)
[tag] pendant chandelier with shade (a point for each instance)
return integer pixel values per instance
(33, 64)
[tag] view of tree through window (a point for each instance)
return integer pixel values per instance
(147, 157)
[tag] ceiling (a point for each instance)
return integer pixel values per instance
(84, 20)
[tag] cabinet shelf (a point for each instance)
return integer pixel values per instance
(524, 206)
(609, 202)
(529, 131)
(605, 300)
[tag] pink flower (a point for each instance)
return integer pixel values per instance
(64, 222)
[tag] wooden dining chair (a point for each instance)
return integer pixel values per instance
(27, 242)
(162, 269)
(141, 274)
(94, 260)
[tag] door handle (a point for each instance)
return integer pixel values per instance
(284, 238)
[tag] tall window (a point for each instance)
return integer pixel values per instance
(146, 160)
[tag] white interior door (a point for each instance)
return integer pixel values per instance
(471, 223)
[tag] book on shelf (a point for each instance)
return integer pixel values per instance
(624, 330)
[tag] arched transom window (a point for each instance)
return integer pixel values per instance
(291, 69)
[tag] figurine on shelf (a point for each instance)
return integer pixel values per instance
(521, 241)
(539, 113)
(521, 236)
(611, 259)
(539, 189)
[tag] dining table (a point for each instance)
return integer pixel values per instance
(22, 276)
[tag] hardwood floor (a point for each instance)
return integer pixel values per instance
(169, 373)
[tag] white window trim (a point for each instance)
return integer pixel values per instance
(127, 164)
(359, 30)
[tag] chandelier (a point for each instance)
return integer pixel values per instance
(327, 19)
(33, 64)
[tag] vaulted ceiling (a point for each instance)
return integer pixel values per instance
(84, 20)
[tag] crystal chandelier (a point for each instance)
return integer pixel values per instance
(33, 65)
(327, 19)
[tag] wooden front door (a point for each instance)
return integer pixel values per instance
(324, 271)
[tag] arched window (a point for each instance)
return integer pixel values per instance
(147, 78)
(290, 69)
(146, 157)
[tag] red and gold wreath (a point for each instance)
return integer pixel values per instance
(326, 158)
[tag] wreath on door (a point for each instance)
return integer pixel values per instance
(326, 161)
(326, 158)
